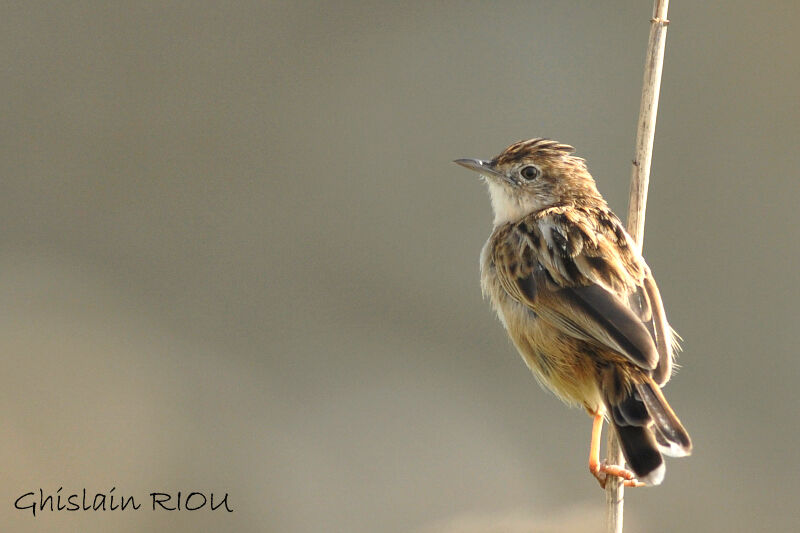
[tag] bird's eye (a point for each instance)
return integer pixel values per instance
(529, 173)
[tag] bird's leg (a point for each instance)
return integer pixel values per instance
(601, 470)
(594, 450)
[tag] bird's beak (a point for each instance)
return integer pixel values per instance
(478, 165)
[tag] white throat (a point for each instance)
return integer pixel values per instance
(508, 208)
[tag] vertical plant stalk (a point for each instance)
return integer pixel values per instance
(640, 178)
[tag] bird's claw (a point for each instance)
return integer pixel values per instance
(602, 471)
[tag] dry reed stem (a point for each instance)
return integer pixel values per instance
(640, 178)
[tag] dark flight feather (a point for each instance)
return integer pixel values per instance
(620, 323)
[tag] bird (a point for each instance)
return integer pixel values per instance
(580, 303)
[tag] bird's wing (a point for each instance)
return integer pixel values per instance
(576, 270)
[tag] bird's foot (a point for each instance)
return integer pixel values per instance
(601, 471)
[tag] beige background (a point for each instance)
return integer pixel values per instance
(235, 257)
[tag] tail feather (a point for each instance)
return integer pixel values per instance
(668, 448)
(633, 411)
(646, 427)
(674, 439)
(641, 453)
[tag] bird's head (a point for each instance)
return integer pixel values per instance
(532, 175)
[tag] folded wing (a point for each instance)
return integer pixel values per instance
(582, 274)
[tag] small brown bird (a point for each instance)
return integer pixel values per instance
(580, 303)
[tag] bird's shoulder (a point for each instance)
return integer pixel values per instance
(570, 246)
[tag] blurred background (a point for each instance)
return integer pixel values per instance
(236, 258)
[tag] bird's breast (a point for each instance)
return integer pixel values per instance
(561, 363)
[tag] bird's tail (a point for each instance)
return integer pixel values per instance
(672, 437)
(646, 427)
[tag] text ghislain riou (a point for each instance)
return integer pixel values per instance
(111, 501)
